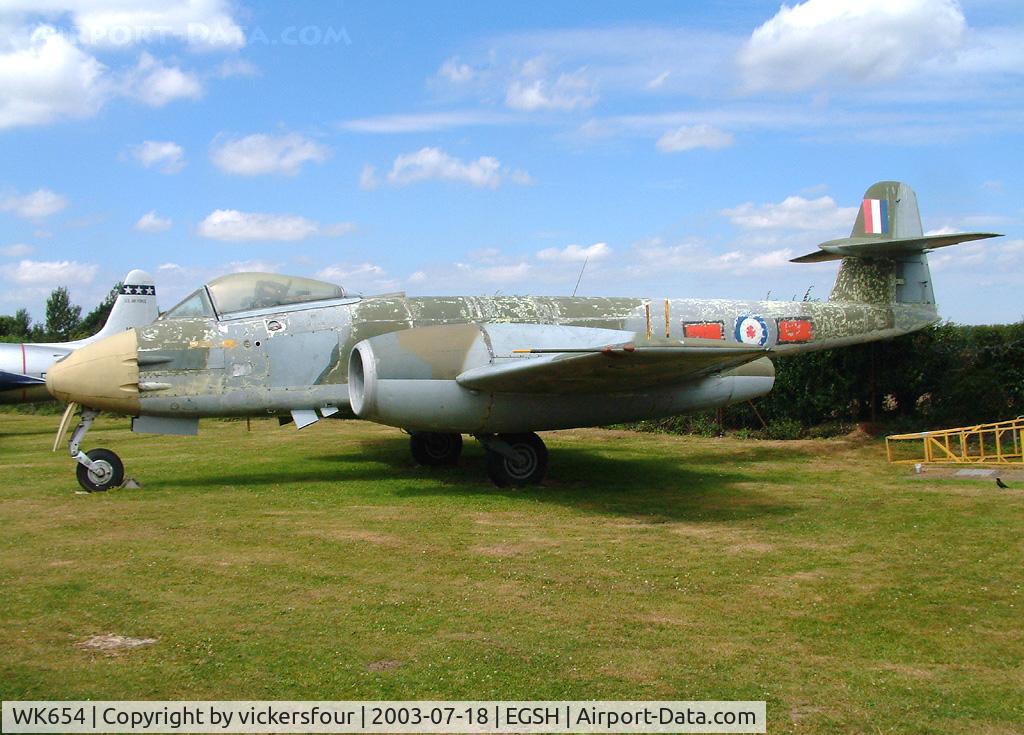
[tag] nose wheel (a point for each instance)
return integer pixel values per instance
(106, 470)
(98, 469)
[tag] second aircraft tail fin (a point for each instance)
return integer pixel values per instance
(135, 306)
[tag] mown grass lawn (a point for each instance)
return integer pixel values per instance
(275, 564)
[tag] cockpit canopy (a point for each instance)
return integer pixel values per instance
(238, 292)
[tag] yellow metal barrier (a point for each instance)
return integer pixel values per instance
(998, 443)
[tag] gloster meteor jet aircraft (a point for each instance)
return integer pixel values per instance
(497, 368)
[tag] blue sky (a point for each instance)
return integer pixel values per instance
(686, 149)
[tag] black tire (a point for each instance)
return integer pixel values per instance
(109, 474)
(432, 449)
(529, 466)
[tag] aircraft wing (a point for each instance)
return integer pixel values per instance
(615, 368)
(17, 380)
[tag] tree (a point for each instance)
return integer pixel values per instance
(95, 319)
(22, 323)
(16, 327)
(62, 317)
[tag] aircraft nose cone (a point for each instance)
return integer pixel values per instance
(102, 375)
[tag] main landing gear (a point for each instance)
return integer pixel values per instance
(432, 449)
(512, 459)
(98, 469)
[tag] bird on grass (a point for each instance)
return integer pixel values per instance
(1002, 484)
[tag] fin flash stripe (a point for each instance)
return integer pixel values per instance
(876, 216)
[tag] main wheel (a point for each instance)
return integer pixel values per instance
(107, 471)
(435, 450)
(527, 467)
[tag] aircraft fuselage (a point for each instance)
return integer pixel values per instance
(277, 361)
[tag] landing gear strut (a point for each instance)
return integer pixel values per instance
(98, 469)
(515, 459)
(432, 449)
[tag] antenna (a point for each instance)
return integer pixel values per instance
(585, 261)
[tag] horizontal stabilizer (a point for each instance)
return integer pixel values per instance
(17, 380)
(871, 247)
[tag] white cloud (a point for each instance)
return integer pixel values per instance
(485, 255)
(1012, 248)
(51, 272)
(202, 24)
(455, 72)
(338, 229)
(793, 213)
(368, 180)
(40, 203)
(152, 222)
(426, 122)
(417, 277)
(848, 41)
(44, 77)
(505, 273)
(236, 68)
(253, 266)
(654, 257)
(433, 163)
(48, 74)
(968, 256)
(165, 156)
(567, 68)
(658, 81)
(518, 176)
(16, 250)
(772, 259)
(688, 137)
(156, 85)
(230, 225)
(359, 276)
(259, 154)
(569, 91)
(575, 253)
(342, 272)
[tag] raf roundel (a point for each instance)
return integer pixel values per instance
(752, 330)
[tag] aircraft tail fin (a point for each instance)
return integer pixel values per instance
(135, 306)
(884, 258)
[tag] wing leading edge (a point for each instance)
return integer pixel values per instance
(614, 368)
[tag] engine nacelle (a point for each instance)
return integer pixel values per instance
(407, 379)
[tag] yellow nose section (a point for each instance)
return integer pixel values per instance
(103, 375)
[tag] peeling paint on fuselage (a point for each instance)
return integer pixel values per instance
(298, 359)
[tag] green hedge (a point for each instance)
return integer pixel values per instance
(944, 376)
